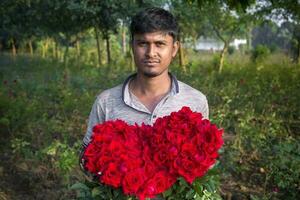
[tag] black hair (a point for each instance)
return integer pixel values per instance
(154, 19)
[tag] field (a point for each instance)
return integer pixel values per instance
(44, 106)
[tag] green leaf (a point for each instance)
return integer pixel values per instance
(96, 191)
(79, 186)
(167, 193)
(4, 121)
(198, 187)
(190, 194)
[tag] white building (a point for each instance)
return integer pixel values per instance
(215, 45)
(237, 42)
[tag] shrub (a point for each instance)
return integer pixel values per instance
(283, 167)
(231, 50)
(260, 53)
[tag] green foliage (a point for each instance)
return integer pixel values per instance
(65, 157)
(202, 189)
(44, 111)
(96, 191)
(231, 50)
(284, 170)
(44, 104)
(20, 147)
(260, 53)
(260, 116)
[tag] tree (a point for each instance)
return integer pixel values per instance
(190, 24)
(104, 17)
(222, 19)
(60, 21)
(224, 23)
(287, 11)
(18, 23)
(273, 35)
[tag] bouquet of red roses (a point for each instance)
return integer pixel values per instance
(147, 160)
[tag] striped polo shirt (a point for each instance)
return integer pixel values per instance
(120, 103)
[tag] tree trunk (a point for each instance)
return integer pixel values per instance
(55, 49)
(296, 56)
(181, 56)
(298, 52)
(30, 47)
(43, 49)
(195, 43)
(249, 38)
(249, 41)
(222, 56)
(60, 55)
(123, 40)
(78, 48)
(66, 53)
(98, 46)
(1, 46)
(45, 45)
(13, 49)
(297, 34)
(108, 49)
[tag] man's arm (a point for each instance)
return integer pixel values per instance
(96, 116)
(204, 109)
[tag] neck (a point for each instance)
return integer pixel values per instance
(151, 86)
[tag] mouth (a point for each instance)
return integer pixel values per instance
(151, 62)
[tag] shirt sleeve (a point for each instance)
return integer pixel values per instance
(204, 109)
(96, 116)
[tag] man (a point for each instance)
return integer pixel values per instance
(152, 92)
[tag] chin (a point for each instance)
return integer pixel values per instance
(152, 73)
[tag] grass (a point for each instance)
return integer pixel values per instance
(44, 108)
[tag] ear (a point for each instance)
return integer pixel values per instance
(175, 48)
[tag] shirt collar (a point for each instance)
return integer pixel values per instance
(125, 88)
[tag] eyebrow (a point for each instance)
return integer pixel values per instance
(143, 40)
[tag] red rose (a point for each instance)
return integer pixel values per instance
(173, 151)
(160, 125)
(150, 169)
(112, 175)
(90, 155)
(175, 137)
(161, 157)
(187, 163)
(130, 164)
(158, 184)
(158, 141)
(133, 180)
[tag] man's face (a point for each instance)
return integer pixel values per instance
(153, 52)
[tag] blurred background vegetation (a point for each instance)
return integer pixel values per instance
(56, 56)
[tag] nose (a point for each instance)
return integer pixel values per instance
(151, 51)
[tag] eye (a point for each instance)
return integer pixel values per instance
(142, 44)
(160, 44)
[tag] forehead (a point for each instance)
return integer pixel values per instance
(155, 36)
